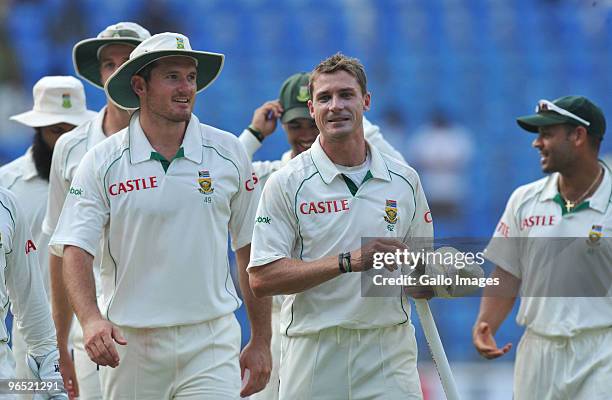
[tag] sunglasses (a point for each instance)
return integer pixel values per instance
(122, 33)
(545, 105)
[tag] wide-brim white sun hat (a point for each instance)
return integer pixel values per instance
(119, 88)
(86, 53)
(57, 99)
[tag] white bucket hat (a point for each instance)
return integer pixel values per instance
(57, 99)
(119, 88)
(86, 53)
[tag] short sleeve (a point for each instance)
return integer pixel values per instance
(85, 212)
(275, 225)
(503, 249)
(26, 289)
(249, 142)
(244, 203)
(58, 187)
(422, 222)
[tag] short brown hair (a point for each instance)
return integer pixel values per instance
(340, 62)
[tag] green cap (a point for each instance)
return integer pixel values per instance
(574, 110)
(294, 96)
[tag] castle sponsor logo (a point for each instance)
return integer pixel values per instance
(131, 185)
(537, 220)
(324, 207)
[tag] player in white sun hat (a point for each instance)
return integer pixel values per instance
(95, 60)
(166, 181)
(59, 106)
(553, 241)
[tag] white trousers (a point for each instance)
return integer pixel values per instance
(351, 364)
(579, 367)
(197, 361)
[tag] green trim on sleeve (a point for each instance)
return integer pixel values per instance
(108, 169)
(413, 191)
(225, 158)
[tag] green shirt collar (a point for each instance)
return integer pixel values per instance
(328, 171)
(141, 149)
(165, 163)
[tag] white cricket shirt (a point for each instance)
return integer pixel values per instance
(21, 178)
(263, 169)
(68, 152)
(308, 211)
(535, 211)
(165, 232)
(21, 282)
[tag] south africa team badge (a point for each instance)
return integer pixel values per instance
(66, 103)
(594, 235)
(391, 212)
(205, 182)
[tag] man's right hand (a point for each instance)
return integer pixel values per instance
(66, 365)
(99, 336)
(485, 344)
(362, 259)
(264, 118)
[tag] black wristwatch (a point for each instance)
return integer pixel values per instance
(256, 133)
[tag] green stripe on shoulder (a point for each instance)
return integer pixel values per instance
(295, 211)
(108, 169)
(70, 151)
(9, 212)
(222, 156)
(411, 187)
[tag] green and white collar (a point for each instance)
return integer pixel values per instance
(328, 170)
(598, 201)
(141, 149)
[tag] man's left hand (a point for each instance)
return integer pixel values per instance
(257, 358)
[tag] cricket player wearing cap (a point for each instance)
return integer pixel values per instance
(566, 351)
(21, 285)
(166, 181)
(301, 129)
(292, 109)
(59, 106)
(312, 216)
(95, 60)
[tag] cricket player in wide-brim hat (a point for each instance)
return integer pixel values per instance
(95, 60)
(86, 53)
(119, 87)
(174, 324)
(59, 106)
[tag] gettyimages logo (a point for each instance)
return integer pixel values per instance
(501, 267)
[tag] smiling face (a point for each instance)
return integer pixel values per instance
(112, 56)
(337, 104)
(301, 134)
(170, 90)
(556, 147)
